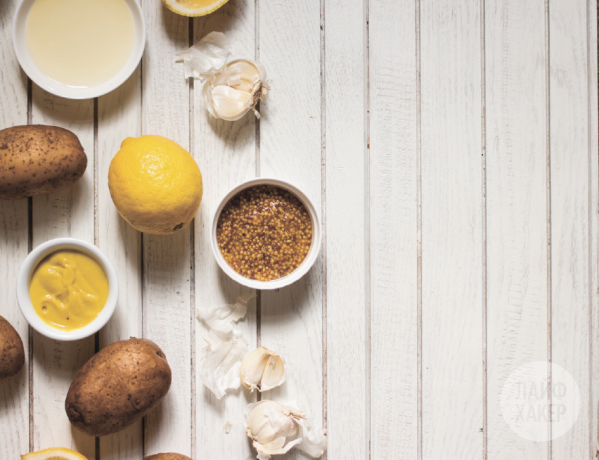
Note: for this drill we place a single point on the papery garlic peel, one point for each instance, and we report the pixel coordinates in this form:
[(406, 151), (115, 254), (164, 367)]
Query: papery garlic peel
[(223, 317), (262, 370), (219, 361)]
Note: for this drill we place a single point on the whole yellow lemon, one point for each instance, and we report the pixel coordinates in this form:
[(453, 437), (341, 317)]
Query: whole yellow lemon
[(155, 184)]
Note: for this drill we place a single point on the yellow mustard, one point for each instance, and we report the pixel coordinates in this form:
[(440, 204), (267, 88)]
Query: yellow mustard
[(68, 289)]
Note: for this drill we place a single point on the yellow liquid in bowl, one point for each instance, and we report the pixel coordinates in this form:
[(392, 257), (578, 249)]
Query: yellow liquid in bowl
[(68, 289), (80, 43)]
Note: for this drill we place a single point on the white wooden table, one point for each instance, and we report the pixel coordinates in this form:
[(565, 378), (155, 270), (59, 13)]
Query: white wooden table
[(451, 146)]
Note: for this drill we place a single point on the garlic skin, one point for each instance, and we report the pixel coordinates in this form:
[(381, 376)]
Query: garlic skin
[(206, 57), (224, 317), (276, 428), (229, 90), (220, 360), (262, 370)]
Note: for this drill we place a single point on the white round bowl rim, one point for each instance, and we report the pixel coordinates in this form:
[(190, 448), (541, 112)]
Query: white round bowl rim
[(31, 262), (313, 252), (69, 92)]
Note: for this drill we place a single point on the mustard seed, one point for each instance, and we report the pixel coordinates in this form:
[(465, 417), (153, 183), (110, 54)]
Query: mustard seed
[(264, 232)]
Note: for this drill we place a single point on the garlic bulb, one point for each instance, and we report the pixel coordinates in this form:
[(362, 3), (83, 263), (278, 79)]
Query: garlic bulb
[(220, 360), (262, 370), (229, 90), (276, 428), (235, 90)]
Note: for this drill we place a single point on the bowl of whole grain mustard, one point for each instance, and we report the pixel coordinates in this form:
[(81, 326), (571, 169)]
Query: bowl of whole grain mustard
[(265, 233)]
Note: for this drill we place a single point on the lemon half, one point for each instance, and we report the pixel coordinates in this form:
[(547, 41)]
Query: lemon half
[(194, 7), (54, 453)]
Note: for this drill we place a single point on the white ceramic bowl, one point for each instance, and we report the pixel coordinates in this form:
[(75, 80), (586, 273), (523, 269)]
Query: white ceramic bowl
[(24, 277), (299, 271), (70, 92)]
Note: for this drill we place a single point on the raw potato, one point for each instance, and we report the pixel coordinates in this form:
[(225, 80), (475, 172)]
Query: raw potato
[(12, 353), (167, 457), (117, 387), (38, 159)]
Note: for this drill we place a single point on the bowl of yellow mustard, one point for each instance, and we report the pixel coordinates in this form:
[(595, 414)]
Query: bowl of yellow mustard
[(67, 289)]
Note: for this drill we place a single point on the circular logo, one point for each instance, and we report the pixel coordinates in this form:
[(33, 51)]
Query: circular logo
[(529, 401)]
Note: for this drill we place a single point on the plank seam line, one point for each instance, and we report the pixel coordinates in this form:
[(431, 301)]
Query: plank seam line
[(192, 266), (257, 170), (323, 213), (367, 235), (484, 280), (257, 122), (548, 212), (419, 229)]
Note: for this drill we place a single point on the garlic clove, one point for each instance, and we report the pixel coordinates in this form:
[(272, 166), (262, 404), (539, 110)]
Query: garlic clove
[(229, 103), (240, 74), (262, 370), (252, 368), (274, 373)]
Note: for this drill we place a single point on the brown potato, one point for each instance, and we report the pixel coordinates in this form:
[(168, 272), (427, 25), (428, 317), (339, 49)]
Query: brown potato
[(38, 159), (12, 353), (117, 387), (169, 456)]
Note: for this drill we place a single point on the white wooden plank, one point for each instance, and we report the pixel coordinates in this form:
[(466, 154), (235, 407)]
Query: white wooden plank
[(68, 212), (226, 153), (167, 311), (594, 218), (393, 221), (119, 117), (452, 382), (290, 149), (573, 291), (14, 394), (345, 148), (516, 184)]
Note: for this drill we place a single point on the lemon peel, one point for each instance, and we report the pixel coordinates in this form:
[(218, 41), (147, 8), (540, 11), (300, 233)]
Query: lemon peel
[(192, 8)]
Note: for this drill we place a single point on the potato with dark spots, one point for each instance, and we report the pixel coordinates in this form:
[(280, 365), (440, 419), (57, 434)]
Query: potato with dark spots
[(12, 353), (37, 160), (117, 387), (168, 456)]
